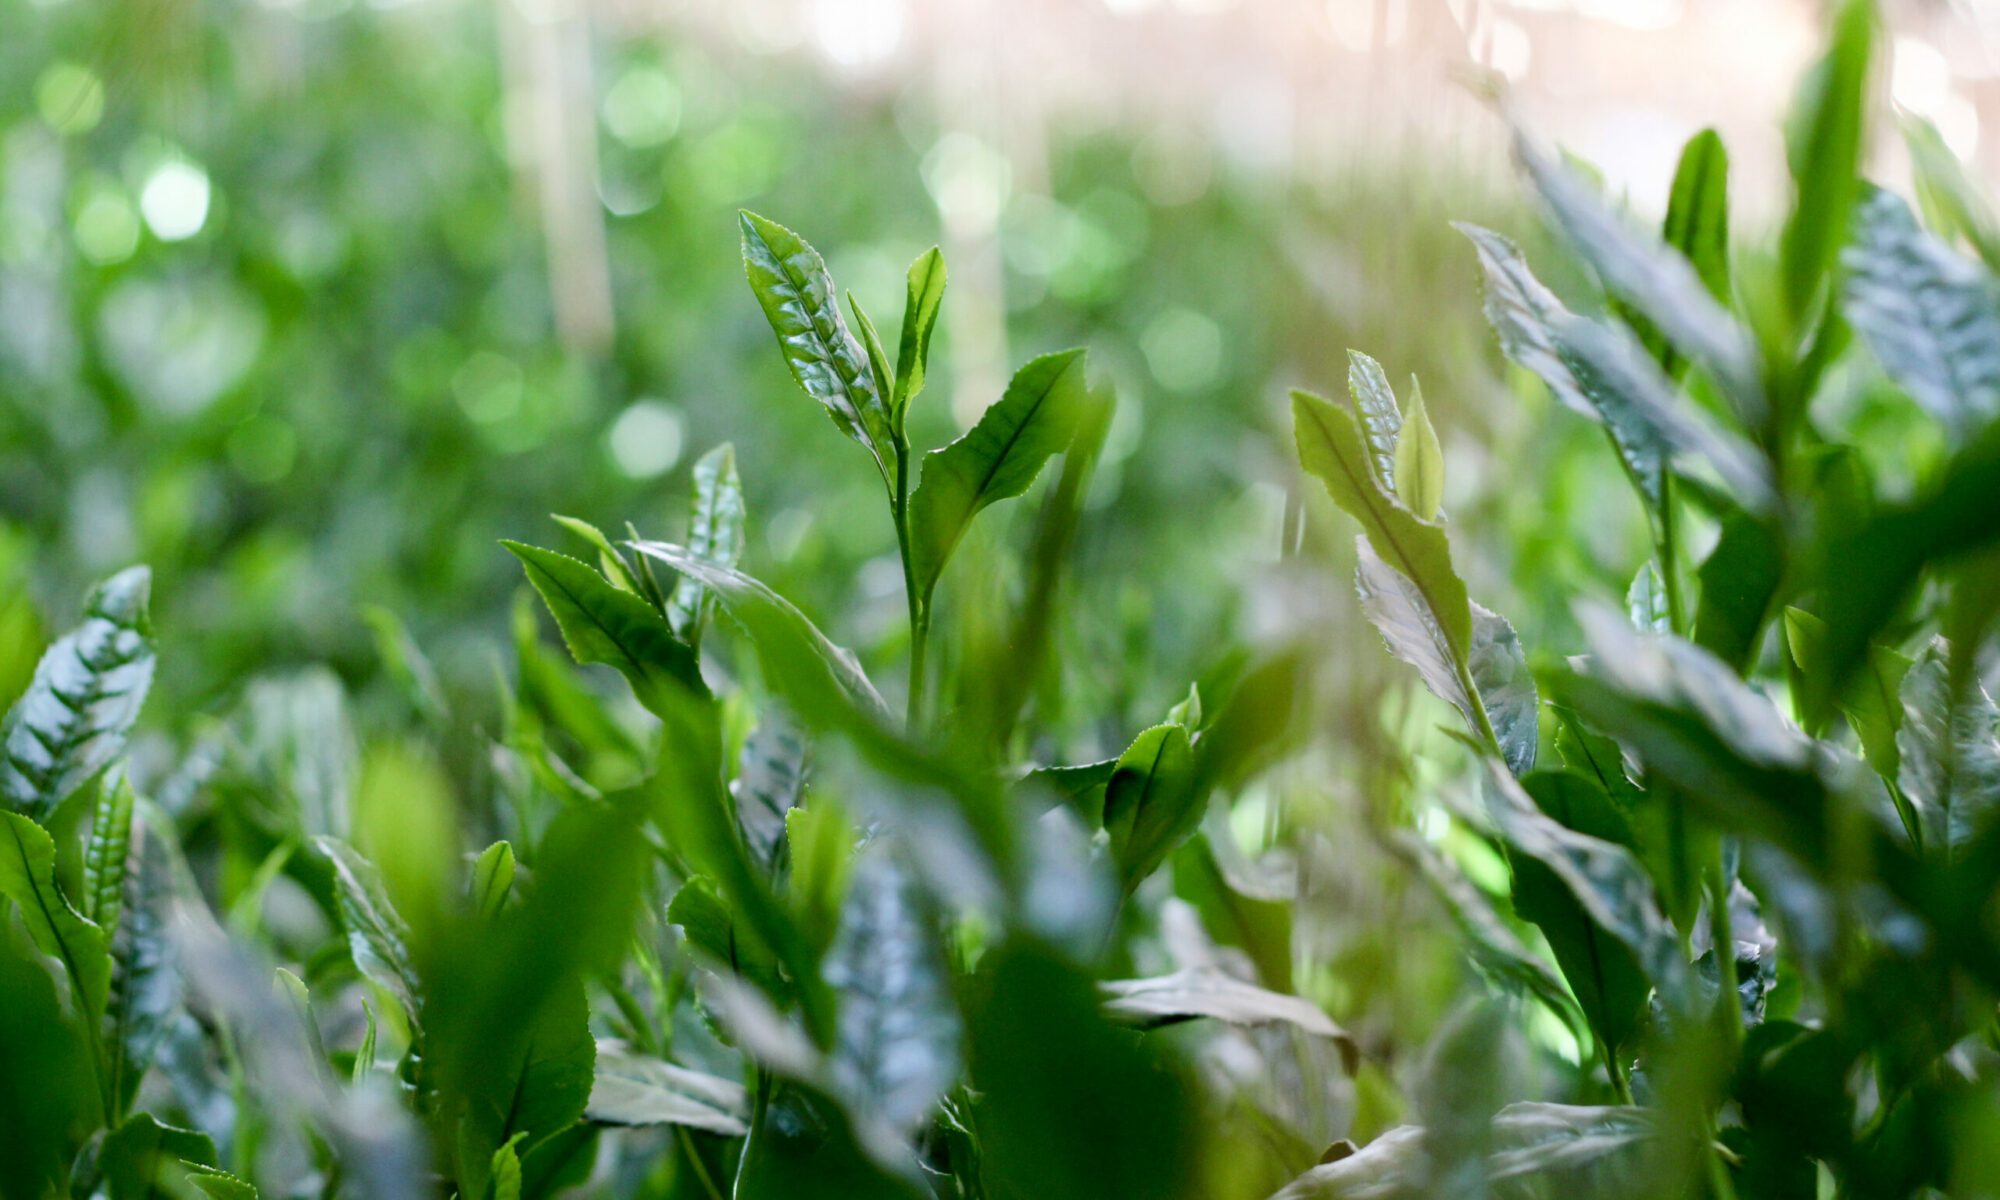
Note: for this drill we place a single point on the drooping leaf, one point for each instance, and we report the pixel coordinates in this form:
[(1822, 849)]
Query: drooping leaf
[(88, 687), (1823, 147), (924, 295), (797, 296), (1503, 691), (1739, 578), (105, 855), (1931, 317), (492, 878), (1419, 462), (1381, 419), (897, 1049), (801, 659), (1949, 747), (1331, 446), (27, 877), (770, 782), (1646, 600), (604, 624), (1602, 972), (377, 938), (716, 530), (143, 1158), (1150, 801), (1199, 992), (630, 1088), (1662, 284), (996, 459)]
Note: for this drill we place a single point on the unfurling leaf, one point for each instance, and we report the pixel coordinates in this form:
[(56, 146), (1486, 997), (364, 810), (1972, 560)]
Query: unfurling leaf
[(105, 856), (716, 527), (1419, 461), (924, 295), (492, 878), (88, 687)]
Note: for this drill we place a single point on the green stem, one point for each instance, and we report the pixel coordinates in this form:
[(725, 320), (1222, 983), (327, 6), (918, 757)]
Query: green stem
[(920, 615), (1669, 553)]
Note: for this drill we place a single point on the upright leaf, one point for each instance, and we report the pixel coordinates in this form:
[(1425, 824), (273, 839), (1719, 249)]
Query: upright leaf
[(1646, 600), (377, 938), (142, 1158), (924, 295), (531, 1086), (28, 878), (1419, 462), (145, 996), (897, 1050), (1823, 147), (797, 297), (72, 721), (1381, 419), (1697, 221), (492, 878), (769, 783), (604, 624), (716, 527), (1331, 446), (1952, 202), (1949, 747), (1931, 317), (105, 855), (1739, 580), (996, 459), (1151, 801)]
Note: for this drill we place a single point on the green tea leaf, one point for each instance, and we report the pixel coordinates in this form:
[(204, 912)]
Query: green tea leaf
[(1601, 971), (716, 531), (1739, 580), (530, 1087), (996, 459), (793, 650), (713, 930), (47, 1095), (1823, 146), (1646, 600), (769, 783), (506, 1170), (1697, 221), (897, 1049), (630, 1088), (604, 624), (1331, 446), (27, 877), (1949, 747), (377, 938), (1931, 317), (1663, 285), (221, 1185), (797, 297), (609, 561), (143, 1158), (492, 878), (72, 721), (1204, 992), (406, 663), (1381, 419), (106, 854), (1151, 803), (1951, 201), (924, 296), (1419, 470)]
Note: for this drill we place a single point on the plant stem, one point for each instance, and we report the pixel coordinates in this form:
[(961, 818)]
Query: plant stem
[(1670, 575), (920, 608)]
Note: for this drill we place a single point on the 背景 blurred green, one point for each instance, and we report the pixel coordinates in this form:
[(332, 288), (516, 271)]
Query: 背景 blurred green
[(1049, 822)]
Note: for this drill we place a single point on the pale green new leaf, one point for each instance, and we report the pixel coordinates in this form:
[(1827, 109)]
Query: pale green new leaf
[(605, 624), (105, 854), (924, 295), (1646, 601), (716, 529), (996, 459), (1419, 471), (1931, 316), (87, 689), (797, 297), (1381, 419), (492, 878)]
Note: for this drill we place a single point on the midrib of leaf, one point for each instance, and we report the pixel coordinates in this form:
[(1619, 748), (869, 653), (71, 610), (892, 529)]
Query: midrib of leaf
[(971, 506), (1458, 664), (585, 609)]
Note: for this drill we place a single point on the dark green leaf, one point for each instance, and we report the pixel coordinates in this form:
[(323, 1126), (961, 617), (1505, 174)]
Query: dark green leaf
[(27, 877), (637, 1089), (1739, 580), (1931, 317), (770, 782), (72, 721), (1949, 747), (1697, 221), (532, 1085), (726, 942), (605, 624), (897, 1050), (996, 459), (143, 1158), (1150, 802), (924, 295), (146, 988), (716, 530), (47, 1101), (1602, 972), (798, 298)]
